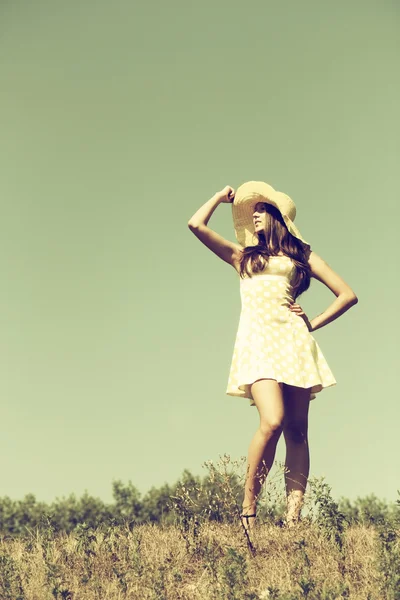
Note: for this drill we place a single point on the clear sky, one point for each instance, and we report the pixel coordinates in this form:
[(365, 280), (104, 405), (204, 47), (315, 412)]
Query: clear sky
[(118, 121)]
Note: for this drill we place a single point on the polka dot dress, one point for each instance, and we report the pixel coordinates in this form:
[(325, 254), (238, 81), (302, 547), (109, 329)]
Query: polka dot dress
[(272, 341)]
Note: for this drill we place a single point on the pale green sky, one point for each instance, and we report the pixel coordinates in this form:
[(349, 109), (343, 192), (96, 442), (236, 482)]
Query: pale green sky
[(118, 121)]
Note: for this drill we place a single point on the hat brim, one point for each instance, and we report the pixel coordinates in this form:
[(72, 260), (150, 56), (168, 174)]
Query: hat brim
[(242, 214)]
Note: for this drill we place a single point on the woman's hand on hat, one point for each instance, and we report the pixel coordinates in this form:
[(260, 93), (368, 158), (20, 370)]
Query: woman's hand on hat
[(296, 308), (227, 194)]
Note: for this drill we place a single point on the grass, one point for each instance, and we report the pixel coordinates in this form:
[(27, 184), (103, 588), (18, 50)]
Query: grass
[(206, 554)]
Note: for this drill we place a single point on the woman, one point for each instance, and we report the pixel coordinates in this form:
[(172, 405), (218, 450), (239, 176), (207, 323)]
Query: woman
[(276, 364)]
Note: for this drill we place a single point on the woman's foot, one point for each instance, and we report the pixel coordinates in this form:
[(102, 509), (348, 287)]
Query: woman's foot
[(287, 523), (248, 521), (292, 522), (248, 515)]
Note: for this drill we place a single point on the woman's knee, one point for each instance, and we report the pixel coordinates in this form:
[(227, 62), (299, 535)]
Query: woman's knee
[(268, 396), (296, 431), (271, 426)]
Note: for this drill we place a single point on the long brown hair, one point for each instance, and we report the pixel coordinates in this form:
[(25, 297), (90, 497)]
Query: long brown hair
[(279, 240)]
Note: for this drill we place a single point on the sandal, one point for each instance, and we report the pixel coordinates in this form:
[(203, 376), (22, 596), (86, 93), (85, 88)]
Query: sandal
[(248, 517)]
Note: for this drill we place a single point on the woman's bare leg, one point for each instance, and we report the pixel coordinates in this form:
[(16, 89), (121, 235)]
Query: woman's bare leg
[(268, 397), (295, 431)]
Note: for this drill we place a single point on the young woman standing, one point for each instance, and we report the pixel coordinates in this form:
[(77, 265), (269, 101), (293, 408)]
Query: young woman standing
[(277, 364)]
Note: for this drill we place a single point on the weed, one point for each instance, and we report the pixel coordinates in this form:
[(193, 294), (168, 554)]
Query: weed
[(329, 518), (388, 561), (232, 575), (187, 519), (10, 579)]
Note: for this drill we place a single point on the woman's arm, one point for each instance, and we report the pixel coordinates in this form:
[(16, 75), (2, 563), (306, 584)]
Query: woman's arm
[(202, 216), (337, 308), (224, 249), (346, 298)]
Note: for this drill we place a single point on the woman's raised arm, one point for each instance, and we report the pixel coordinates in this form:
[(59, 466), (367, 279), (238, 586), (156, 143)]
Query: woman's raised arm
[(224, 249)]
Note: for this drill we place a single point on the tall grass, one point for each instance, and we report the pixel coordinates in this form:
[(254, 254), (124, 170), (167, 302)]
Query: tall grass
[(206, 553)]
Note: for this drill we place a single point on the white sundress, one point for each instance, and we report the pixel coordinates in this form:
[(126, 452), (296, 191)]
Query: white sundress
[(271, 340)]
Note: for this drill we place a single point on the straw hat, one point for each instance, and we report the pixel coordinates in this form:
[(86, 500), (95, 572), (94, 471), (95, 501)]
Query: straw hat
[(246, 197)]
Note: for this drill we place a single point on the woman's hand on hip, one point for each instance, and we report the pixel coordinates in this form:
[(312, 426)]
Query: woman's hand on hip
[(296, 308)]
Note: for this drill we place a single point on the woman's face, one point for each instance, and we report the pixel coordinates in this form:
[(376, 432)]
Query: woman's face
[(259, 216)]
